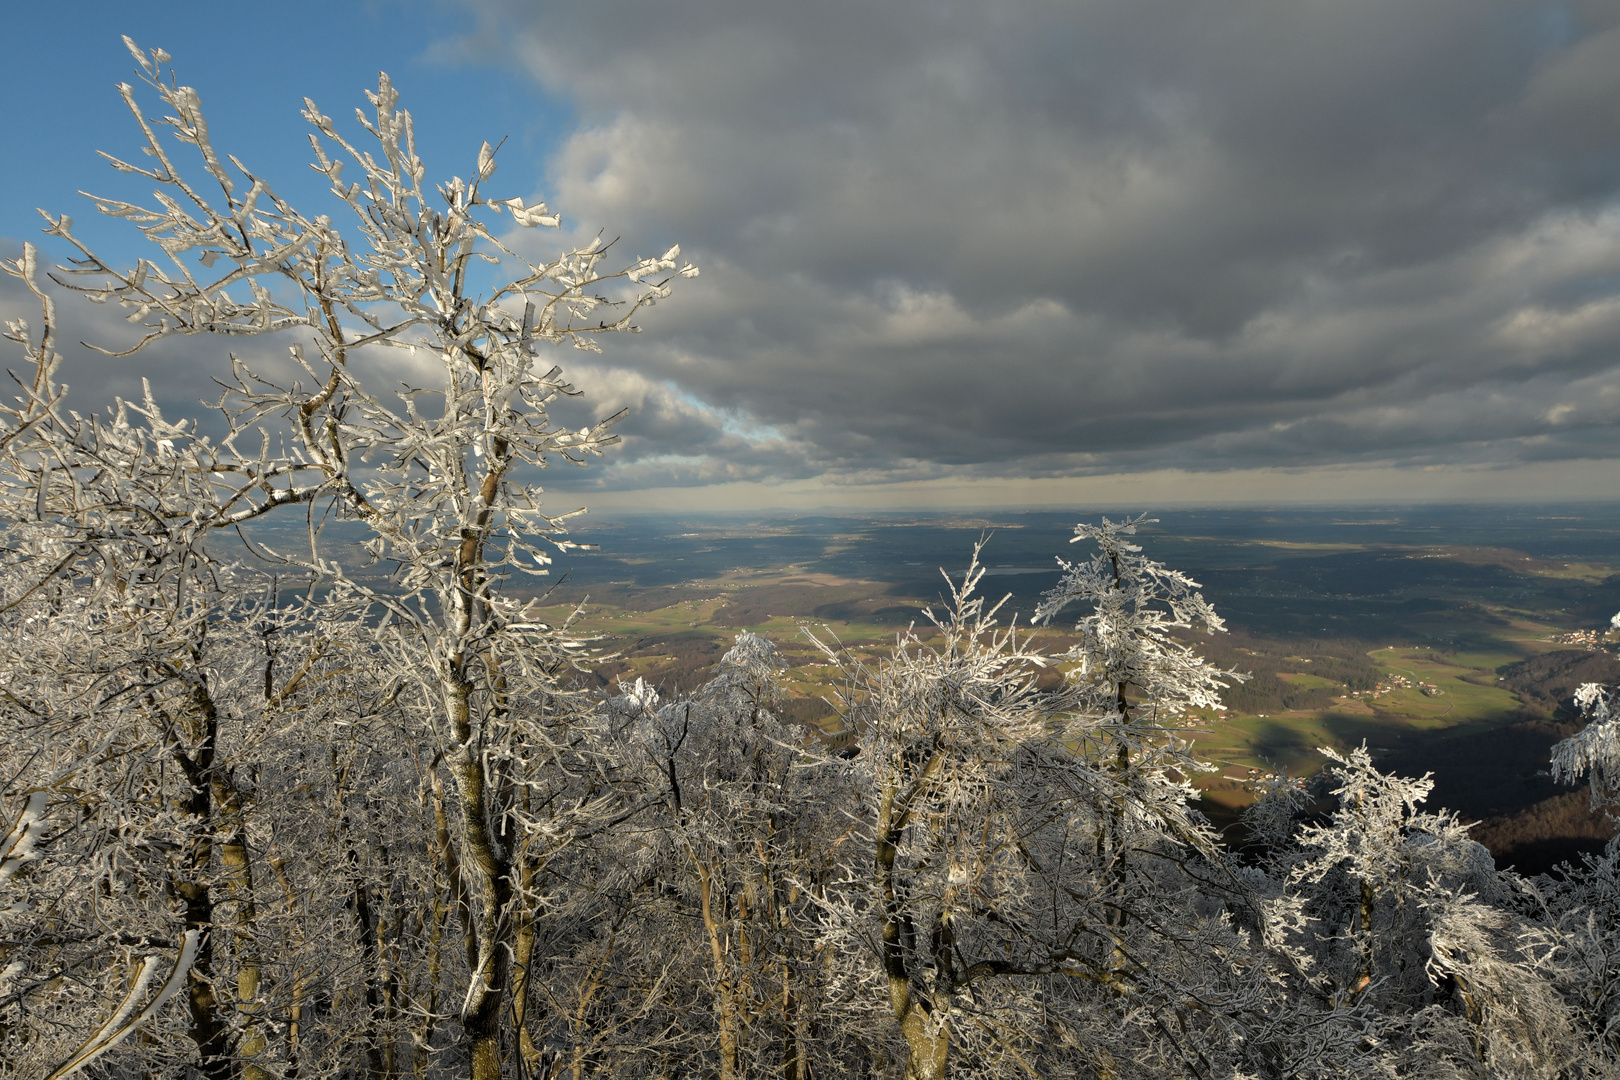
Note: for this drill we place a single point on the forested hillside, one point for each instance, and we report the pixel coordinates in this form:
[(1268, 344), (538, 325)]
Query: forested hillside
[(1548, 683), (266, 816)]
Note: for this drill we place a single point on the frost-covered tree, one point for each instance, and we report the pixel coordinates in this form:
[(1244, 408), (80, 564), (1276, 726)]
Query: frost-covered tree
[(1594, 751), (112, 615), (1027, 906), (742, 846), (1587, 899), (1130, 667), (1131, 671), (1404, 939), (940, 725), (439, 476), (194, 751)]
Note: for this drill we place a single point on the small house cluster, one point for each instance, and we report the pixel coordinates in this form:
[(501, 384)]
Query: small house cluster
[(1592, 639), (1398, 682)]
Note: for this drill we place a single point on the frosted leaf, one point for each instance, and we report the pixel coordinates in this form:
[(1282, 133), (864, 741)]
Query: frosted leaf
[(639, 695), (17, 846), (1590, 697), (534, 216), (135, 51), (9, 974)]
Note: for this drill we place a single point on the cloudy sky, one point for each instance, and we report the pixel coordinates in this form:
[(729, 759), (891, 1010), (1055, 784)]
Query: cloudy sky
[(967, 254)]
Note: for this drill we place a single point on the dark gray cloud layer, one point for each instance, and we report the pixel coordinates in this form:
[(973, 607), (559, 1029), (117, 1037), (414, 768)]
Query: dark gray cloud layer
[(1030, 239), (1053, 238)]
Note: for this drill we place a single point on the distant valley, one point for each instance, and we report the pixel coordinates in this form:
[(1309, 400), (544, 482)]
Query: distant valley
[(1448, 639)]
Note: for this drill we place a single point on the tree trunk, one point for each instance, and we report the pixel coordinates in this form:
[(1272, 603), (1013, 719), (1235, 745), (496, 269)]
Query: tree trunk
[(233, 854), (300, 980), (524, 937), (446, 882), (723, 996), (366, 931), (792, 1045), (208, 1030), (488, 864), (927, 1044)]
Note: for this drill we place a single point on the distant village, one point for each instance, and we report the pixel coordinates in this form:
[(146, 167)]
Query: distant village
[(1591, 639), (1398, 682)]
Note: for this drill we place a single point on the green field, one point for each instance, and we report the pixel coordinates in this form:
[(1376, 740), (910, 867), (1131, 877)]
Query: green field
[(1469, 697), (672, 635)]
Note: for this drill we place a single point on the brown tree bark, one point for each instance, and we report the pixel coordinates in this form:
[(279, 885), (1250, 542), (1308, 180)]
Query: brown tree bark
[(490, 869)]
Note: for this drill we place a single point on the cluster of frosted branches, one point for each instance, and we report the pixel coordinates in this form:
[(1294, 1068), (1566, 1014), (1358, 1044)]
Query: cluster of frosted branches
[(1132, 666), (112, 519), (1595, 749)]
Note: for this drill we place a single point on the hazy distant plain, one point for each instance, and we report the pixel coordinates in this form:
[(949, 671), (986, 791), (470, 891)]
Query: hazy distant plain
[(1324, 606)]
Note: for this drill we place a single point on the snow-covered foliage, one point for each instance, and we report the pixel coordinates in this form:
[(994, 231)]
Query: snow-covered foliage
[(1594, 751), (1132, 666), (1027, 905), (734, 859)]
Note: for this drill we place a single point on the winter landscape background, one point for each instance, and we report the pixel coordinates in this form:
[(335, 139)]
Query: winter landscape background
[(326, 753)]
